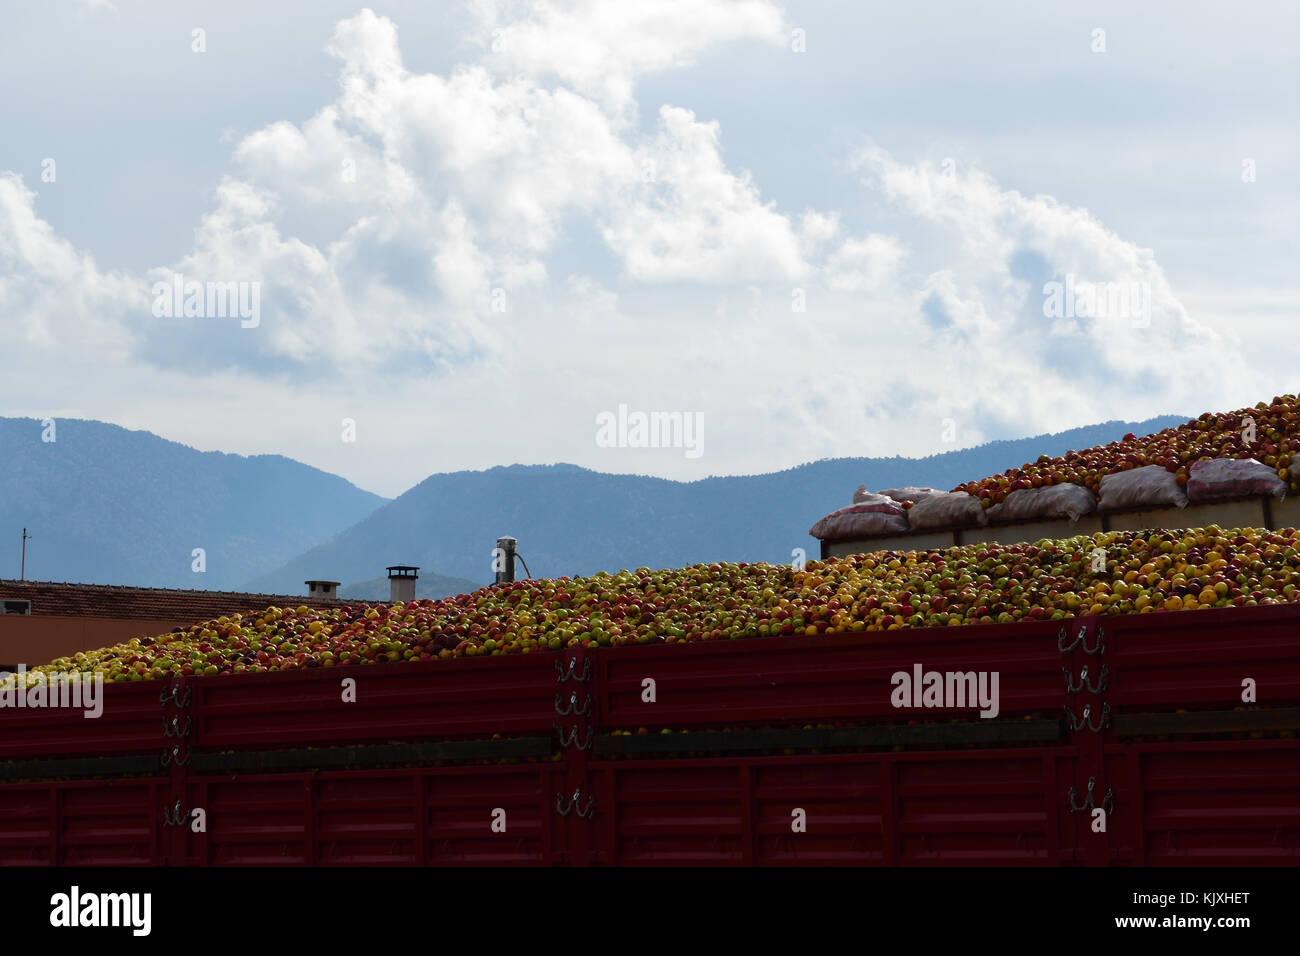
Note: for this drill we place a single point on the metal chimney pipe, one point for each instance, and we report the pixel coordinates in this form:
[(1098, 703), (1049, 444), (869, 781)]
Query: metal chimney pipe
[(505, 560)]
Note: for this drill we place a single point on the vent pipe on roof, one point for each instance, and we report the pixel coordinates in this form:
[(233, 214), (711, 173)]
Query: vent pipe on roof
[(504, 560), (325, 590), (401, 583)]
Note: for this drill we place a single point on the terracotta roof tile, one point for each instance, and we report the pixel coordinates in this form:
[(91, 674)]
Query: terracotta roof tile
[(132, 603)]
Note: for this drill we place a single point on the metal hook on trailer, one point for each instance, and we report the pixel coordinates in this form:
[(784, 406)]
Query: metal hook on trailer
[(174, 816), (1098, 646), (1077, 724), (1072, 723), (1102, 679), (174, 756), (1064, 635), (173, 693), (572, 708), (1070, 686), (561, 675), (1107, 802), (563, 808), (1103, 722), (172, 728), (1087, 804), (571, 739), (1084, 682)]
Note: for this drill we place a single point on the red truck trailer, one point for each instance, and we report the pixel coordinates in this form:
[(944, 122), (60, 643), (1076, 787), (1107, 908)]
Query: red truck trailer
[(1151, 739)]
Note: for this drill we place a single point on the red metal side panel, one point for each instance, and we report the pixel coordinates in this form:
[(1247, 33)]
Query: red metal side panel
[(110, 822), (258, 820), (1198, 659), (673, 812), (463, 697), (87, 823), (843, 806), (459, 805), (1201, 803), (984, 808), (438, 816), (27, 824), (1229, 801), (1211, 803), (962, 807), (364, 820), (833, 677), (131, 723)]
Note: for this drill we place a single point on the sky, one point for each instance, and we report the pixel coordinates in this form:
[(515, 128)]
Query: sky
[(468, 234)]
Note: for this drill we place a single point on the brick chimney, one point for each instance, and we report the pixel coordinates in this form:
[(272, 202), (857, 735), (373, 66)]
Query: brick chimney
[(401, 582), (325, 590)]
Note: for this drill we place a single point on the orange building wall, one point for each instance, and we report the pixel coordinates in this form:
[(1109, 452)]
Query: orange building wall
[(38, 639)]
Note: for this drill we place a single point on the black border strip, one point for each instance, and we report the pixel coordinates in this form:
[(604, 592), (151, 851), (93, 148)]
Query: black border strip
[(1207, 722), (81, 767), (300, 759), (904, 735), (383, 753)]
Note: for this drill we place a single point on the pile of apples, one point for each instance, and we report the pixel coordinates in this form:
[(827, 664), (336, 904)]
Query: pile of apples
[(1276, 440), (1106, 573)]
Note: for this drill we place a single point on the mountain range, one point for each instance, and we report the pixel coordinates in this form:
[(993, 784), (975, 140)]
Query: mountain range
[(105, 505), (428, 586), (110, 506), (569, 520)]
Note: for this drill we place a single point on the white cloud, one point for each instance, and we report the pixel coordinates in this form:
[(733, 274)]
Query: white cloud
[(866, 264), (816, 229), (692, 218), (53, 297), (387, 219), (1005, 247), (599, 48)]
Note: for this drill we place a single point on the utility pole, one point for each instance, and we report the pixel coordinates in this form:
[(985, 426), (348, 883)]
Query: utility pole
[(22, 573)]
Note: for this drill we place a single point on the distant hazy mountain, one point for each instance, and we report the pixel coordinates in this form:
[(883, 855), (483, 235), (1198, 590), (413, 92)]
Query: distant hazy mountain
[(431, 586), (105, 505), (573, 521)]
